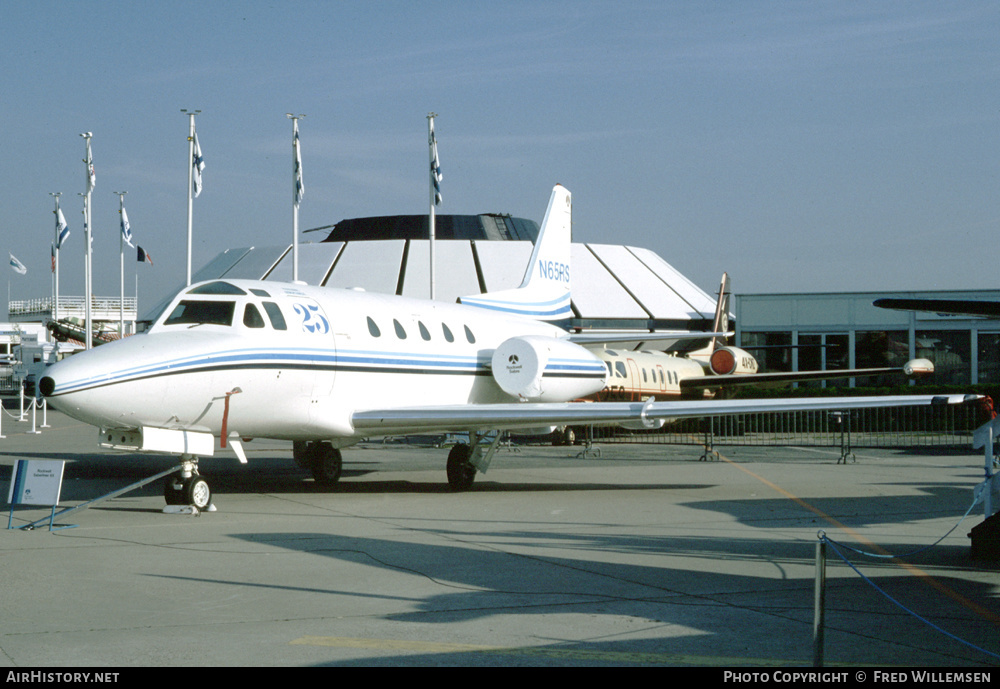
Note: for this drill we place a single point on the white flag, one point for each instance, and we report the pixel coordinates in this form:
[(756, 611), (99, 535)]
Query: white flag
[(91, 175), (126, 228), (300, 190), (18, 267), (197, 164), (62, 229), (435, 167)]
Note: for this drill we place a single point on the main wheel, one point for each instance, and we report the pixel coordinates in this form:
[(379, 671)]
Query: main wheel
[(461, 473), (197, 493), (326, 464)]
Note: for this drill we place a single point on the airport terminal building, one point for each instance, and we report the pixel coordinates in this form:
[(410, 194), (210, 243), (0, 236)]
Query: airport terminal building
[(843, 330)]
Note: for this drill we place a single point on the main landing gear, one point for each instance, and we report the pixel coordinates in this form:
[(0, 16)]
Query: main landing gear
[(187, 487), (325, 462), (464, 461), (461, 472), (321, 458)]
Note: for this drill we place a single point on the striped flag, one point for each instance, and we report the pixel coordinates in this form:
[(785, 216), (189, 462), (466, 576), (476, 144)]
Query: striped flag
[(197, 164), (18, 267), (435, 167), (142, 256), (300, 189), (62, 229)]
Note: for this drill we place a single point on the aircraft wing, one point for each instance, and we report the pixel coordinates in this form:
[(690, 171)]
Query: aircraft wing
[(783, 377), (596, 337), (965, 307), (513, 416)]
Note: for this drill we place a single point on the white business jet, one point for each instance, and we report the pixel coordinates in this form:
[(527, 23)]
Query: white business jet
[(325, 368)]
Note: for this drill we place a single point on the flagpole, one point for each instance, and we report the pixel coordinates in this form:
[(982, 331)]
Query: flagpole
[(297, 192), (190, 194), (88, 216), (121, 261), (55, 295)]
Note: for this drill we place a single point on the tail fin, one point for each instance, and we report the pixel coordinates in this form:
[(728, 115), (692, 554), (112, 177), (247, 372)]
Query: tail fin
[(544, 293), (721, 323)]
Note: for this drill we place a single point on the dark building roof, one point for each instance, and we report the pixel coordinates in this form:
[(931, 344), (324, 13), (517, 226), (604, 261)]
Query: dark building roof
[(490, 226)]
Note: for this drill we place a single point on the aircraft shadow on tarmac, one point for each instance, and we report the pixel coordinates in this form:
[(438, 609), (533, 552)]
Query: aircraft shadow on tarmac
[(587, 573), (280, 474), (854, 511)]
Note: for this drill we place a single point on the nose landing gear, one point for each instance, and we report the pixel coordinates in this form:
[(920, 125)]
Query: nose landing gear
[(187, 487)]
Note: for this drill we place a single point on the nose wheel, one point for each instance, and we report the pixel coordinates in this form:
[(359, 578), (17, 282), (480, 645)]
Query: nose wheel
[(187, 487)]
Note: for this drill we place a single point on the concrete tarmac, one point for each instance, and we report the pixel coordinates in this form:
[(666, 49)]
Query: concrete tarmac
[(642, 556)]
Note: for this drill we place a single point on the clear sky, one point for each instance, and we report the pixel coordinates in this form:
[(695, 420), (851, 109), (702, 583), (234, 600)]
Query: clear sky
[(800, 146)]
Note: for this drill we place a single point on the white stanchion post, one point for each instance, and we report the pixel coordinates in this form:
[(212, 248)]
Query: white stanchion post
[(33, 414), (45, 414)]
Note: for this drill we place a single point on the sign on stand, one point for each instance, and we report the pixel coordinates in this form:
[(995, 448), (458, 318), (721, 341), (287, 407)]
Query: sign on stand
[(35, 482)]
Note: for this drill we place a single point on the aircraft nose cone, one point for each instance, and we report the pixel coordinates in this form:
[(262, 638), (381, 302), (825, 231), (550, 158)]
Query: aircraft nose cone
[(46, 386)]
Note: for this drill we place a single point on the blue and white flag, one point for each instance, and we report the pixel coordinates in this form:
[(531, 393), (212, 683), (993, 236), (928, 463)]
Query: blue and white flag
[(62, 229), (435, 167), (300, 189), (197, 165), (126, 228), (18, 267)]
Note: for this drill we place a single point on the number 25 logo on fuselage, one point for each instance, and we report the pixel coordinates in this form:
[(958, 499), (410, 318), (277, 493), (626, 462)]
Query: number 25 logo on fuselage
[(313, 321)]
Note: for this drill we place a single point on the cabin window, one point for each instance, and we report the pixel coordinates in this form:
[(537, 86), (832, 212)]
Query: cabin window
[(373, 329), (198, 312), (469, 336), (661, 377), (644, 380), (400, 333), (423, 331), (620, 369), (447, 333), (252, 317), (274, 313)]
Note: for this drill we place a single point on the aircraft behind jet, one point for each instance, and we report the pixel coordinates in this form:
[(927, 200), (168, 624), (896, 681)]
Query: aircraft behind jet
[(325, 368)]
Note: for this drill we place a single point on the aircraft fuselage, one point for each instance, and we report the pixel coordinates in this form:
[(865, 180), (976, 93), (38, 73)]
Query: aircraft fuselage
[(297, 361)]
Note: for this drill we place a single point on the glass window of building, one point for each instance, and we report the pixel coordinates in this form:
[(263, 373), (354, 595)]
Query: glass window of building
[(950, 350), (989, 358)]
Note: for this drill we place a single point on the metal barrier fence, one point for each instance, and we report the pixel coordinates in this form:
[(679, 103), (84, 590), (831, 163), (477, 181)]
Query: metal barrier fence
[(939, 426)]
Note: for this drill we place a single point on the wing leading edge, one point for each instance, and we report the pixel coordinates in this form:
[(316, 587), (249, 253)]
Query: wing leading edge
[(478, 417)]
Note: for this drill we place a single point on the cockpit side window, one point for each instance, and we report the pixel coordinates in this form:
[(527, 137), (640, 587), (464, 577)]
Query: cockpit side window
[(274, 313), (620, 369), (194, 312), (252, 317)]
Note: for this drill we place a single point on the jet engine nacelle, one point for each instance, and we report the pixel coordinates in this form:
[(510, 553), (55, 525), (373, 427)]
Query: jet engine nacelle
[(732, 361), (544, 369)]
